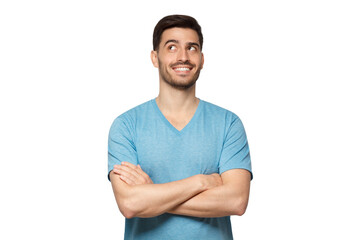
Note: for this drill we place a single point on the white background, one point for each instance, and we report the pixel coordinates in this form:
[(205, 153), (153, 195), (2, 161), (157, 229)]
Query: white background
[(289, 69)]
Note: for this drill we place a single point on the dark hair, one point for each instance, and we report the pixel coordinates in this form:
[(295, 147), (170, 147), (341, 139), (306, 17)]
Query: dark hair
[(181, 21)]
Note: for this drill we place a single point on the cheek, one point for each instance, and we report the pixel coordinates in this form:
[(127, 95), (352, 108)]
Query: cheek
[(197, 59), (162, 67)]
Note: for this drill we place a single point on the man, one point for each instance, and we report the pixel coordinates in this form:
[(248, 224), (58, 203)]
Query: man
[(179, 166)]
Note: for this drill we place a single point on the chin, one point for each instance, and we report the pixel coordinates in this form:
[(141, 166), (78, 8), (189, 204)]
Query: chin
[(182, 84)]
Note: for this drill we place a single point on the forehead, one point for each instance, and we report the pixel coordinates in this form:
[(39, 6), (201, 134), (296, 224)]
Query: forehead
[(183, 35)]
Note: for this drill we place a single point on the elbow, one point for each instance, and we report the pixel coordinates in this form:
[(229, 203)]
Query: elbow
[(126, 209), (240, 211), (128, 214), (241, 206), (129, 210)]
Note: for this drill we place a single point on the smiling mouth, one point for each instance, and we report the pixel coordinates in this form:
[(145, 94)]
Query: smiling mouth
[(182, 69)]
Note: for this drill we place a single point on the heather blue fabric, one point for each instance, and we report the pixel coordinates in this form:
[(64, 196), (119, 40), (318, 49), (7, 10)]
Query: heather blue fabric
[(214, 141)]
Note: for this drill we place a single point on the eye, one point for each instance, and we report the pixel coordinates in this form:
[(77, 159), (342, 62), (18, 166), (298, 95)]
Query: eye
[(172, 48), (192, 48)]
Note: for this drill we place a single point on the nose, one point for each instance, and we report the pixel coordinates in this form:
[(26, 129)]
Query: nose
[(182, 55)]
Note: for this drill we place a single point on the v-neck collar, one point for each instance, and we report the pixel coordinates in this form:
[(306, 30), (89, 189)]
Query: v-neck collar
[(174, 129)]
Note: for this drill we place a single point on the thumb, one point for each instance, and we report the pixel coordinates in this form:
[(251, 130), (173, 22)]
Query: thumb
[(139, 166)]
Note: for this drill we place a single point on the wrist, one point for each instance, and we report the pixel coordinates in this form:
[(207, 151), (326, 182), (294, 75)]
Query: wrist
[(203, 181)]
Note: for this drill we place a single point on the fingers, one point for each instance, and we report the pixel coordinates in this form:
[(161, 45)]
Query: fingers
[(128, 165), (125, 175), (138, 170), (132, 174), (148, 179), (133, 167), (127, 179)]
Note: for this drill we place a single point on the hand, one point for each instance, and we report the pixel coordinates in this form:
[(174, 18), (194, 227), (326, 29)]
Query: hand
[(131, 174)]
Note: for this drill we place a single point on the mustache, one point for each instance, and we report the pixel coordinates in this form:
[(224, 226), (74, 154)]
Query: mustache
[(187, 62)]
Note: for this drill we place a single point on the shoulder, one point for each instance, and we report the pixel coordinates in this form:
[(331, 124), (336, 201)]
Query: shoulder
[(129, 118), (220, 113), (135, 112)]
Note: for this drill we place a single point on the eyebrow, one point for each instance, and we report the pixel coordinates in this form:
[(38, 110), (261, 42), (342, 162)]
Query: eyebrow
[(176, 41), (171, 41), (193, 44)]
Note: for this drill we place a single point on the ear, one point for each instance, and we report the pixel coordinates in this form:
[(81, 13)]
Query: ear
[(202, 60), (154, 59)]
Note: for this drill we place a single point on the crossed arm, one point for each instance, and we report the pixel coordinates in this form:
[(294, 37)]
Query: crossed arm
[(199, 196)]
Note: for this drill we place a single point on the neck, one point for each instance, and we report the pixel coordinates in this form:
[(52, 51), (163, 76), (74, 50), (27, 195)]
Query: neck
[(175, 101)]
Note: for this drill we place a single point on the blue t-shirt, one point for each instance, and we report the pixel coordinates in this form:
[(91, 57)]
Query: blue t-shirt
[(214, 141)]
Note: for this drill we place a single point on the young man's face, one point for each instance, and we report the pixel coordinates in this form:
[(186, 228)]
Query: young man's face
[(179, 57)]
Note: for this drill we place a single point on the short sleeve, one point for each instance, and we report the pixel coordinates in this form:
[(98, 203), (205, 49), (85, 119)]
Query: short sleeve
[(121, 145), (235, 152)]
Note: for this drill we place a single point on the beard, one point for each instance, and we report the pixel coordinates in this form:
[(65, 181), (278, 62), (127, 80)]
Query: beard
[(181, 85)]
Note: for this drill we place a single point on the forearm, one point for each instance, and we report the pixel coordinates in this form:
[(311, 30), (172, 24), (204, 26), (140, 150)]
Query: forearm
[(216, 202), (149, 200), (231, 198)]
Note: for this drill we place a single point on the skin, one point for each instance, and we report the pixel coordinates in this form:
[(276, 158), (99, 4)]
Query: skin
[(160, 198), (179, 48), (200, 195), (227, 195), (178, 104)]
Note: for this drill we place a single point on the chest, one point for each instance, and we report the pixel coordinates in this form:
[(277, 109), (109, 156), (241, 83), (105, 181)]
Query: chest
[(166, 156), (178, 122)]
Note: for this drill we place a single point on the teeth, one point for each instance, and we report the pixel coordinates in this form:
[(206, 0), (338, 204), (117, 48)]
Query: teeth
[(182, 69)]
